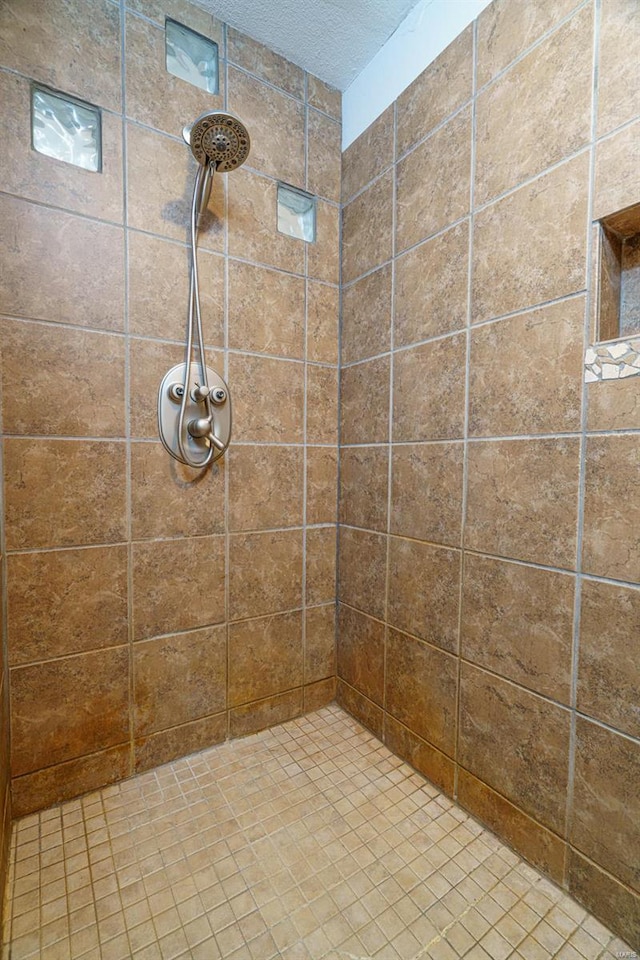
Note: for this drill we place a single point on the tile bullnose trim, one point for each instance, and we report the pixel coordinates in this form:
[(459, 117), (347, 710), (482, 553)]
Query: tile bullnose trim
[(612, 361)]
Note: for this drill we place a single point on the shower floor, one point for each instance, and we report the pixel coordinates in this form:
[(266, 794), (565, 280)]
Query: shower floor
[(307, 841)]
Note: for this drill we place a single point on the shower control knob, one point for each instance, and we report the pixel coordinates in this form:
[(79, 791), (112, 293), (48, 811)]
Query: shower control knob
[(218, 395), (176, 391), (199, 428), (200, 393)]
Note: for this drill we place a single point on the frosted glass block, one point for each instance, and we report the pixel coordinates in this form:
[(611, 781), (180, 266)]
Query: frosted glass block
[(296, 214), (191, 57), (65, 129)]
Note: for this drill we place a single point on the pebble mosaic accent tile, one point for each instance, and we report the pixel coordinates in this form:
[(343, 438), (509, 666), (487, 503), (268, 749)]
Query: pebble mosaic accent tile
[(307, 841), (613, 361)]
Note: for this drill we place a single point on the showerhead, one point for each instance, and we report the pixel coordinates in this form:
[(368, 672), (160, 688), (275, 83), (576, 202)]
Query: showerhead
[(218, 138)]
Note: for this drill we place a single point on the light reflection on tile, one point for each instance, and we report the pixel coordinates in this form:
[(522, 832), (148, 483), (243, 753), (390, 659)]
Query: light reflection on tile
[(66, 129)]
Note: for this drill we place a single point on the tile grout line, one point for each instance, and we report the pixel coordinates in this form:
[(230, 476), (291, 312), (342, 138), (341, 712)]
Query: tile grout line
[(228, 456)]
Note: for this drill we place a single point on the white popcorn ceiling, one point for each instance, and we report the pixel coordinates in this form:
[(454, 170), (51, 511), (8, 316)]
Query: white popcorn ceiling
[(333, 39)]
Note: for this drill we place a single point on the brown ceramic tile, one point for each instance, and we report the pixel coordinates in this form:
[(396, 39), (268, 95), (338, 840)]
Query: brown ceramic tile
[(522, 500), (366, 229), (169, 499), (506, 30), (608, 670), (179, 679), (433, 182), (34, 176), (368, 155), (364, 402), (264, 63), (619, 51), (66, 708), (46, 47), (265, 573), (611, 546), (361, 652), (518, 261), (54, 784), (265, 713), (617, 183), (614, 404), (428, 390), (149, 361), (424, 591), (364, 477), (265, 657), (69, 396), (535, 843), (154, 96), (322, 404), (64, 492), (66, 601), (529, 734), (265, 487), (439, 90), (48, 255), (366, 316), (420, 689), (159, 289), (368, 713), (437, 767), (361, 584), (321, 565), (277, 327), (162, 747), (431, 287), (324, 97), (606, 805), (268, 399), (324, 152), (320, 643), (251, 222), (323, 255), (177, 585), (319, 694), (323, 319), (426, 492), (517, 621), (187, 13), (160, 178), (507, 392), (550, 92), (615, 903), (276, 126), (322, 484)]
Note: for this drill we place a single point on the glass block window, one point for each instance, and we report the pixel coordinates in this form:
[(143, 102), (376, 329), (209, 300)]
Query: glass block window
[(66, 129), (191, 57), (296, 213)]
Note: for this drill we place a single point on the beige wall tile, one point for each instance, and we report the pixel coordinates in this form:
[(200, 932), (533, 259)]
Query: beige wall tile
[(323, 255), (268, 399), (368, 713), (71, 395), (517, 743), (178, 679), (361, 652), (420, 689), (364, 478), (517, 260), (251, 224), (439, 90), (366, 229), (366, 316), (615, 903), (523, 499), (66, 708), (614, 404), (617, 183), (508, 392), (66, 601), (360, 584), (436, 766), (265, 487), (265, 713), (324, 156), (606, 807), (322, 404), (550, 93), (167, 745), (185, 12), (177, 585), (320, 643), (64, 492), (433, 182), (364, 402), (265, 573), (322, 484), (611, 546), (608, 669), (265, 657), (428, 390), (517, 621), (321, 565), (324, 97), (368, 155), (47, 258), (431, 284), (619, 52), (424, 591), (323, 320), (426, 491), (264, 63), (266, 311)]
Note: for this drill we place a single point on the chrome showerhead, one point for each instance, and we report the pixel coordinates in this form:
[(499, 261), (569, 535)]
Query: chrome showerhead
[(220, 139)]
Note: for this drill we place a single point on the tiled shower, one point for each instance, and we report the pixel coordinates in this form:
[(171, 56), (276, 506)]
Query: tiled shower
[(412, 380)]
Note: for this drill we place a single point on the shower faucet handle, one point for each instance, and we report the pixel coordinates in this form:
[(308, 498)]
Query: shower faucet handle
[(203, 429), (199, 393)]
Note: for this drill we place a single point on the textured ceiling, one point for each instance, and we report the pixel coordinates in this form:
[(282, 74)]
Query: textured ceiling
[(333, 39)]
